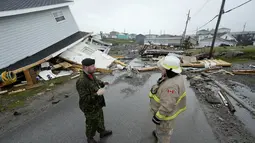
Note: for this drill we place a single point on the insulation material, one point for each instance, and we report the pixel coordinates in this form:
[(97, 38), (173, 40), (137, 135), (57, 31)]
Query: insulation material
[(82, 51), (48, 75)]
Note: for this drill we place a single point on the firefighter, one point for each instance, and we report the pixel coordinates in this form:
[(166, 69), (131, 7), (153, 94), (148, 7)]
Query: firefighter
[(167, 98)]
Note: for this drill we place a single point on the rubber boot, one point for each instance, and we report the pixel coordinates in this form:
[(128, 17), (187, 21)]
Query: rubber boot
[(154, 134), (105, 133)]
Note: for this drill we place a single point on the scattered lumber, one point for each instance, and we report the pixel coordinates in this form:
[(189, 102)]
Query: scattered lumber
[(245, 105), (230, 105), (244, 72), (207, 63), (16, 91), (147, 69), (119, 62)]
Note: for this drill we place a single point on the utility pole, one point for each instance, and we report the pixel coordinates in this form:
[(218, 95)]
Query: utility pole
[(244, 26), (184, 32), (217, 26)]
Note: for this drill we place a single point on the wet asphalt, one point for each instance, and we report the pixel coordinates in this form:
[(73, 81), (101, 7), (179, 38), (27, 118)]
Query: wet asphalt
[(126, 114)]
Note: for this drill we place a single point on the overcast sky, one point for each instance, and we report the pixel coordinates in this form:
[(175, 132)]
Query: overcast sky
[(168, 16)]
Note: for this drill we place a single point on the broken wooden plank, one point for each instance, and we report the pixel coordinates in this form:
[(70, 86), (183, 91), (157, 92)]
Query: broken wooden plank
[(104, 70), (119, 62), (244, 72), (97, 69), (73, 77), (65, 65), (230, 105), (118, 57), (32, 65), (16, 91), (3, 92), (223, 98), (19, 85), (147, 69)]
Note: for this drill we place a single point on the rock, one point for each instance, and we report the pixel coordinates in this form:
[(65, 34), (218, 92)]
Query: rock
[(56, 102), (16, 113), (52, 84), (40, 93), (212, 100)]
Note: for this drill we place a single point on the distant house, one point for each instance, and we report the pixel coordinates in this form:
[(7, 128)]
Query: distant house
[(34, 29), (122, 36), (165, 36), (132, 36), (113, 34), (139, 39), (253, 43), (172, 41), (151, 36), (218, 42), (224, 37)]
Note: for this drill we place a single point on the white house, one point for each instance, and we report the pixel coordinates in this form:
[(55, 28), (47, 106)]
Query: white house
[(34, 29), (175, 41), (218, 42), (227, 36)]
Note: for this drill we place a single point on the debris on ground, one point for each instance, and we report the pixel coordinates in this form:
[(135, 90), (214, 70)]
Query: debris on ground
[(55, 102), (16, 113), (228, 127), (251, 72)]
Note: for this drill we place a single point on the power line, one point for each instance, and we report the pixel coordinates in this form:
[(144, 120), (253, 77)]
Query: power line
[(237, 6), (207, 1), (224, 13)]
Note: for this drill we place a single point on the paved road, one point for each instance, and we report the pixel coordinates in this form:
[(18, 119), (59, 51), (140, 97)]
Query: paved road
[(127, 114)]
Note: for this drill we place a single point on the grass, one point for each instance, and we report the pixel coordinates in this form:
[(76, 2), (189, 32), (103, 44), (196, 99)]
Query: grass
[(13, 101), (119, 41), (249, 53)]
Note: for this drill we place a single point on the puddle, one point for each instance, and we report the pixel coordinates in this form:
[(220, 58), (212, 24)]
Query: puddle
[(246, 94), (244, 116)]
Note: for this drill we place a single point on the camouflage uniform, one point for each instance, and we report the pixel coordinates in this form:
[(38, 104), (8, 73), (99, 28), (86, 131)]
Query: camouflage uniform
[(90, 103)]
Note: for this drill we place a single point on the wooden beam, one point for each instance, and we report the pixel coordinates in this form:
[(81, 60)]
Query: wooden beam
[(29, 77)]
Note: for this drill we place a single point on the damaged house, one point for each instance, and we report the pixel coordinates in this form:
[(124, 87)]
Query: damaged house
[(32, 30), (36, 31), (223, 38)]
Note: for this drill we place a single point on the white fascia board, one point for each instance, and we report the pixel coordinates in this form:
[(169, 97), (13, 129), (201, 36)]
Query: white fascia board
[(34, 9)]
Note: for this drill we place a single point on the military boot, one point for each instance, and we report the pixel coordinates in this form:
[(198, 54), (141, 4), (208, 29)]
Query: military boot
[(91, 140), (105, 133)]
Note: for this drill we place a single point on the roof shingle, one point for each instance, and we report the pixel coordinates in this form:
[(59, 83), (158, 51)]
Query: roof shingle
[(7, 5)]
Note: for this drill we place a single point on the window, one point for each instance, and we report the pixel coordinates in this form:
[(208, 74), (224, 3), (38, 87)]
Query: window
[(59, 16)]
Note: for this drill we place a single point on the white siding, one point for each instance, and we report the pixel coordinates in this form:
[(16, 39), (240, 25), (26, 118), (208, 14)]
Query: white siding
[(206, 43), (27, 34), (227, 37)]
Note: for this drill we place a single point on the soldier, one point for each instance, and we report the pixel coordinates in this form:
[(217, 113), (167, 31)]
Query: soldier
[(167, 98), (91, 100)]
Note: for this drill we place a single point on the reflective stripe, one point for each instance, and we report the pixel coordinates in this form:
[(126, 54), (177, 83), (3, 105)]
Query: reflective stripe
[(180, 98), (162, 117), (170, 67), (154, 96)]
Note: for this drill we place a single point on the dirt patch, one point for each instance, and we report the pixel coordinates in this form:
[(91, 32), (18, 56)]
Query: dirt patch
[(225, 125)]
